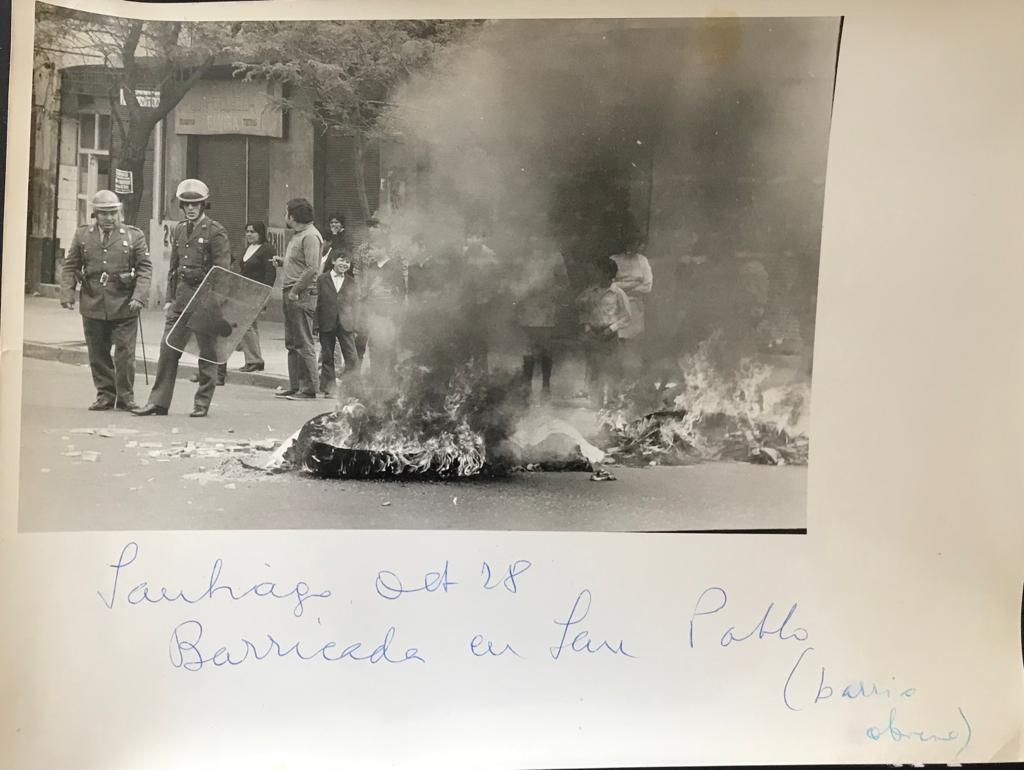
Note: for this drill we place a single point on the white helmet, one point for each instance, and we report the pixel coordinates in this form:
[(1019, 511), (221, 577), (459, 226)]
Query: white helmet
[(191, 191), (105, 200)]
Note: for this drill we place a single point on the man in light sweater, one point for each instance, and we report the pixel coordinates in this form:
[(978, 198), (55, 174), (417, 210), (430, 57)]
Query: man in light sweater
[(300, 268)]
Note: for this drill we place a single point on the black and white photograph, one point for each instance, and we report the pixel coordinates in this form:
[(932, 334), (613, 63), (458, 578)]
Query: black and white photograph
[(450, 274)]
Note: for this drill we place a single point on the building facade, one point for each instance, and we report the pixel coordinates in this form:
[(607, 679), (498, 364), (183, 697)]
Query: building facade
[(228, 132)]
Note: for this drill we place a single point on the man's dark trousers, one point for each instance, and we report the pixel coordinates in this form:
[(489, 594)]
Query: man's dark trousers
[(346, 341), (299, 316), (114, 378)]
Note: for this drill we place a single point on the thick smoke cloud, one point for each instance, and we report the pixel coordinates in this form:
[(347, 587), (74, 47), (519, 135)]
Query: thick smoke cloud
[(704, 140)]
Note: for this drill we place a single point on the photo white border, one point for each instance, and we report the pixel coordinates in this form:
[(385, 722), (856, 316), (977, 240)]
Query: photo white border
[(912, 561)]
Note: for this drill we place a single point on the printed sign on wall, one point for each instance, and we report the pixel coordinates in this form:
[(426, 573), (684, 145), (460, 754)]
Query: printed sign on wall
[(123, 182), (229, 107)]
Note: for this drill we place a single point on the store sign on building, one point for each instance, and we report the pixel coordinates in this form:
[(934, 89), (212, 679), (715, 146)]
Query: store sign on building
[(144, 97), (229, 107)]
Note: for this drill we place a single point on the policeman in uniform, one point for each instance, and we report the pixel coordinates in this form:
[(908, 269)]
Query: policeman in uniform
[(197, 245), (110, 261)]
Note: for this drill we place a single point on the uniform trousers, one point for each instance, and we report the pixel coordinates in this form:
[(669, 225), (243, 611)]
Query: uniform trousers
[(114, 378), (167, 369)]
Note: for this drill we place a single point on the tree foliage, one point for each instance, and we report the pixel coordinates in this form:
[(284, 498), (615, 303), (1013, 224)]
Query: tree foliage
[(164, 56), (339, 73), (342, 73)]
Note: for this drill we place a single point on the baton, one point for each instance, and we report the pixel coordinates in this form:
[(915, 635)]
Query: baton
[(142, 339)]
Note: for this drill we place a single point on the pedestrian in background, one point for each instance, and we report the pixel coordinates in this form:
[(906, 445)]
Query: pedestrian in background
[(538, 293), (481, 294), (337, 311), (110, 261), (198, 244), (376, 239), (636, 279), (604, 312), (301, 265), (257, 265), (382, 294), (335, 242)]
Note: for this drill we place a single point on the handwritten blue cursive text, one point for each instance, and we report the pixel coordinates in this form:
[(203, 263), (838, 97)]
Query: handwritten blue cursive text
[(185, 651), (890, 730), (142, 593), (581, 642)]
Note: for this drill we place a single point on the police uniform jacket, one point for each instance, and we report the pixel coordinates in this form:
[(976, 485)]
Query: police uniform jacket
[(104, 271), (193, 256)]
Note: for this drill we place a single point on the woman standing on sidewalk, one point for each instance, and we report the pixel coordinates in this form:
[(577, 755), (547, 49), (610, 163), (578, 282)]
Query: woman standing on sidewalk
[(257, 265)]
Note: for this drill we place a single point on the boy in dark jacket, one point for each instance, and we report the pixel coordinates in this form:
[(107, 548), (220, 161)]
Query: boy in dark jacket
[(337, 311)]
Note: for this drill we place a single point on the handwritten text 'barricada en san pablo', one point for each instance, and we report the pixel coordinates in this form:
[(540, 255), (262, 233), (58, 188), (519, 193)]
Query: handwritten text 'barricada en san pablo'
[(712, 627)]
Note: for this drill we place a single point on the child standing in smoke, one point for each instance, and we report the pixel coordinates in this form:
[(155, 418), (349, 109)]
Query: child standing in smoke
[(604, 310)]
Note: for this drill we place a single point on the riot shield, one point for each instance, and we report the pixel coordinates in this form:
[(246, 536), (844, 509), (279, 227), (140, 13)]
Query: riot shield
[(219, 313)]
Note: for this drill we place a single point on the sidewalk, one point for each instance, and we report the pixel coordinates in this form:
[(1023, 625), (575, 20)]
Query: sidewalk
[(55, 334)]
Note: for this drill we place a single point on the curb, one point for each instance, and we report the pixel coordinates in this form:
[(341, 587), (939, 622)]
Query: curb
[(80, 356)]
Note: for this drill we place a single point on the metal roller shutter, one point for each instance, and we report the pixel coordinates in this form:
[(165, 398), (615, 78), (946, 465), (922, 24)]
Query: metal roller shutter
[(220, 162), (259, 179)]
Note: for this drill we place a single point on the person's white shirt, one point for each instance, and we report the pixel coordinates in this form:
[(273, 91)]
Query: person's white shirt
[(338, 279), (252, 249)]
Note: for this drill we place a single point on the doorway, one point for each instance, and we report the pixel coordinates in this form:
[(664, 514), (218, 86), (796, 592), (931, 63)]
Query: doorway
[(236, 168)]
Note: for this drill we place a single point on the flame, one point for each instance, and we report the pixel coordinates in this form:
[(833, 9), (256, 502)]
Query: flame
[(420, 428), (711, 415)]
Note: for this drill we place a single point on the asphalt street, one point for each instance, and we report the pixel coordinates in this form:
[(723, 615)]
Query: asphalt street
[(180, 473)]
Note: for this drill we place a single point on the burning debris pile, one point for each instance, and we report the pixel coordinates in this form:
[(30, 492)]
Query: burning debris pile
[(433, 425), (447, 423), (709, 416), (477, 426)]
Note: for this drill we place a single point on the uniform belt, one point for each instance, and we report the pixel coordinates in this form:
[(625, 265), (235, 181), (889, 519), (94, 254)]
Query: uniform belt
[(192, 272), (102, 278)]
